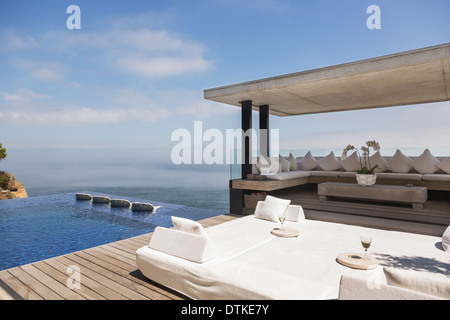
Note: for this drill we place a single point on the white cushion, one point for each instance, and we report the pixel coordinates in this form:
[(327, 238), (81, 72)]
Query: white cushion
[(270, 166), (319, 173), (293, 162), (436, 177), (289, 175), (446, 240), (437, 285), (399, 163), (329, 163), (351, 163), (285, 164), (444, 165), (187, 225), (272, 208), (308, 162), (376, 158), (426, 163), (188, 246), (293, 212), (400, 176)]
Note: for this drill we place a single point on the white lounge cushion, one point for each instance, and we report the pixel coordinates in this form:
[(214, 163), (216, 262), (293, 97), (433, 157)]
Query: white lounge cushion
[(293, 162), (294, 213), (272, 208), (270, 166), (351, 163), (436, 177), (345, 174), (187, 225), (401, 176), (444, 165), (436, 285), (426, 163), (376, 158), (399, 163), (185, 245), (329, 163), (446, 240), (288, 175), (308, 162), (325, 173), (284, 163), (353, 287)]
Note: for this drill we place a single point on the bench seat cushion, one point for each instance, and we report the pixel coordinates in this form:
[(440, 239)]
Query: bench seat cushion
[(400, 176), (436, 177), (288, 175)]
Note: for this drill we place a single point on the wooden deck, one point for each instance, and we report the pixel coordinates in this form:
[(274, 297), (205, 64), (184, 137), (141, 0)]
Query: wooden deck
[(107, 272)]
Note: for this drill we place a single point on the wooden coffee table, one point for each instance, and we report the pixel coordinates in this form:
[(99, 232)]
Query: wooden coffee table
[(417, 196)]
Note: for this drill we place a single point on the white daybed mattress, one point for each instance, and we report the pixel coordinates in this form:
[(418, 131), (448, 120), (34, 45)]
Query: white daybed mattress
[(251, 263)]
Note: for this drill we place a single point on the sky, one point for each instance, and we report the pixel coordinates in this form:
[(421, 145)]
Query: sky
[(98, 105)]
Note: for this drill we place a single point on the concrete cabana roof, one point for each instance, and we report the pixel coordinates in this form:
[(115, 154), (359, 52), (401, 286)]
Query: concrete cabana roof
[(407, 78)]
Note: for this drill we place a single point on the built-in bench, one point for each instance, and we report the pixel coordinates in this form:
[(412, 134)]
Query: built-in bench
[(286, 178)]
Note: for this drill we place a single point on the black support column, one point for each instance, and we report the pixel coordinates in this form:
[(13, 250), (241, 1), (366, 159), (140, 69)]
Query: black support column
[(264, 131), (246, 116)]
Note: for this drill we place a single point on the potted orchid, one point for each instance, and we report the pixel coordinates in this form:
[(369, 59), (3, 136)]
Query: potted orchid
[(366, 175)]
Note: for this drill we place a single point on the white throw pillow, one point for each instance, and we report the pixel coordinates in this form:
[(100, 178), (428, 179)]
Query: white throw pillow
[(285, 164), (272, 208), (444, 165), (293, 162), (376, 158), (308, 162), (446, 240), (437, 285), (351, 163), (399, 163), (329, 163), (187, 225), (426, 163)]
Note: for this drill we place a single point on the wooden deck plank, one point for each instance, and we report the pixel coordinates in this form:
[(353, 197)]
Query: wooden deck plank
[(50, 281), (34, 285), (107, 272), (90, 282), (125, 278), (84, 289), (13, 288), (110, 279)]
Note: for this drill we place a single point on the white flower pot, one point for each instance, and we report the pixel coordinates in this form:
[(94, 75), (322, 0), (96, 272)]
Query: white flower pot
[(366, 179)]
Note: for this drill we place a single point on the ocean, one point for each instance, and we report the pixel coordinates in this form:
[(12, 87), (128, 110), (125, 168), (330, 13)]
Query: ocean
[(213, 198)]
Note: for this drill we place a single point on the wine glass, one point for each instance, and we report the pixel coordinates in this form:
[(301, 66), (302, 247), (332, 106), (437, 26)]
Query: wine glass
[(366, 241), (282, 217)]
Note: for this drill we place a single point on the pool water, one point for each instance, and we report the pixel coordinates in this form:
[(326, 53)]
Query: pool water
[(39, 228)]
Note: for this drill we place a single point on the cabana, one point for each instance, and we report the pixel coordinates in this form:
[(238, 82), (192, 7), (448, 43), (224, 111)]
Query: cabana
[(406, 78)]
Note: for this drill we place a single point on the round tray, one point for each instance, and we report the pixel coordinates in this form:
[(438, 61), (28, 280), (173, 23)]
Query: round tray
[(357, 261), (285, 232)]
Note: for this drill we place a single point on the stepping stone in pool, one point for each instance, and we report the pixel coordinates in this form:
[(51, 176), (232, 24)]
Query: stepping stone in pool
[(100, 199), (83, 196), (120, 203), (141, 206)]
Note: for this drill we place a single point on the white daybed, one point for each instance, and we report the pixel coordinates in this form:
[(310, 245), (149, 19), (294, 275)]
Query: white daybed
[(241, 259)]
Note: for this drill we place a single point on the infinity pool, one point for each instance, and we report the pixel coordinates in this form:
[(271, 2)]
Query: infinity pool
[(38, 228)]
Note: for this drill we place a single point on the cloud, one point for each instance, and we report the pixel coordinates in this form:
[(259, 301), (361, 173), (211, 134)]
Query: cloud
[(141, 52), (30, 108), (10, 40), (42, 70), (161, 66)]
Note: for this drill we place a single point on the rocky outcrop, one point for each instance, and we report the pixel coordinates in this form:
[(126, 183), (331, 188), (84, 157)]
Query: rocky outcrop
[(10, 188)]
